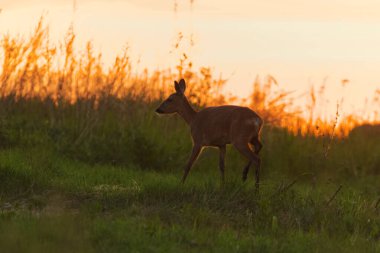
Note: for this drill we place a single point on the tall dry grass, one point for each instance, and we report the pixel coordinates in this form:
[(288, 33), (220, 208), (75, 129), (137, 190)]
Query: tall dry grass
[(34, 68)]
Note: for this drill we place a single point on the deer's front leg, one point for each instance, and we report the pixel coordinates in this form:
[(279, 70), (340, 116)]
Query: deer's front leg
[(222, 155), (193, 157)]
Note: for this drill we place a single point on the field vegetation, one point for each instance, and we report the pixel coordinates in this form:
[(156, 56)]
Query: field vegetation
[(87, 166)]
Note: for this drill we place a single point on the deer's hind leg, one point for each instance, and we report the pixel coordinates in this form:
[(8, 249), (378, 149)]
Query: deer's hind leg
[(257, 144), (244, 149)]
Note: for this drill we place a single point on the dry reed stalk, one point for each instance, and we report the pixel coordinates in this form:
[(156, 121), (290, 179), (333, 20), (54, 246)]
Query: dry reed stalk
[(60, 75), (334, 195)]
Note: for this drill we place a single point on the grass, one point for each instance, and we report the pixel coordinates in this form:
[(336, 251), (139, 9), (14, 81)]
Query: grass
[(114, 209), (118, 190), (86, 166)]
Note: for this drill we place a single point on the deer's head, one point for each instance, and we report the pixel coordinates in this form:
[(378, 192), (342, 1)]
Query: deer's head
[(175, 101)]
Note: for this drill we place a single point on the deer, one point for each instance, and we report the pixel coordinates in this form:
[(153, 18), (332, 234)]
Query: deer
[(216, 127)]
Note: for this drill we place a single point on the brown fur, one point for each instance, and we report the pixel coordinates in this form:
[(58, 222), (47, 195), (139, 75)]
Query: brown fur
[(217, 127), (366, 130)]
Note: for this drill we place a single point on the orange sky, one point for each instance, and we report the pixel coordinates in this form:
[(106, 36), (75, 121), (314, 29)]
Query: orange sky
[(299, 42)]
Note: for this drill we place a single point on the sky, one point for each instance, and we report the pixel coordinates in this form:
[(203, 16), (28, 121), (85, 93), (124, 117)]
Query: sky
[(299, 42)]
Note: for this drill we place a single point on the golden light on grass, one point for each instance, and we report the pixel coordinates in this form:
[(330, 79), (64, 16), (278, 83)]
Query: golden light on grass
[(34, 68)]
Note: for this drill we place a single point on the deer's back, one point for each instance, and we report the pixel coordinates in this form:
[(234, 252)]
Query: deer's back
[(366, 130), (216, 126)]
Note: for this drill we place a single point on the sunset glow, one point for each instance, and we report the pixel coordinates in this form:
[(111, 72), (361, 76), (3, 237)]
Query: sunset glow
[(301, 44), (183, 126)]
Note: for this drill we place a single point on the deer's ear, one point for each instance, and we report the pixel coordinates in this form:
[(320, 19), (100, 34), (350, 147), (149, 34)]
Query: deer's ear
[(176, 86), (181, 86)]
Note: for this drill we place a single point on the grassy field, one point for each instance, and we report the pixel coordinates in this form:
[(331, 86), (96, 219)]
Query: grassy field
[(111, 183), (87, 166)]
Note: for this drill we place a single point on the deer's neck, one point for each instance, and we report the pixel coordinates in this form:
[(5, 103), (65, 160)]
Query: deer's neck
[(187, 112)]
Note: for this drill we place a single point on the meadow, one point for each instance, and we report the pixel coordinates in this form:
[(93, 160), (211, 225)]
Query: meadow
[(87, 166)]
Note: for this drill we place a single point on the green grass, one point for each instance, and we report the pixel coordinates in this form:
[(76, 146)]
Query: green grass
[(118, 189)]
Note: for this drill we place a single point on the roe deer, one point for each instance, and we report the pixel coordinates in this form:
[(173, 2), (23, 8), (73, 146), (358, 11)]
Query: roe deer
[(217, 127)]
